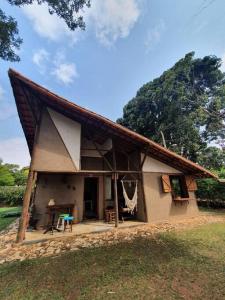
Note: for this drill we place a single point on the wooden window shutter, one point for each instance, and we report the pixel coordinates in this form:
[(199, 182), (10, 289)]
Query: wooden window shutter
[(166, 184), (191, 183)]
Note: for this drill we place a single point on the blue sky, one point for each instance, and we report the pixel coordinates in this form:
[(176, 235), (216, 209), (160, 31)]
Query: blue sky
[(126, 44)]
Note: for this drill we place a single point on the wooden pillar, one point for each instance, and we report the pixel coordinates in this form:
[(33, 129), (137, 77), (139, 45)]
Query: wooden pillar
[(25, 210), (143, 197), (142, 186), (115, 175)]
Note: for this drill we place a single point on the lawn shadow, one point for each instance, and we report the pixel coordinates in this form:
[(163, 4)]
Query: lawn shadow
[(92, 271)]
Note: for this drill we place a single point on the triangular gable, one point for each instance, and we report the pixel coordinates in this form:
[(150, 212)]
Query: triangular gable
[(50, 153), (153, 165), (70, 132)]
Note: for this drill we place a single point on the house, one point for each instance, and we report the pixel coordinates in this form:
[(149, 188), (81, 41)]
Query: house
[(86, 160)]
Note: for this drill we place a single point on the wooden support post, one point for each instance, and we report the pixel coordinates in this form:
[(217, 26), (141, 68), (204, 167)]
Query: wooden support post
[(115, 175), (144, 158), (141, 177), (25, 209), (116, 200), (143, 197), (32, 176)]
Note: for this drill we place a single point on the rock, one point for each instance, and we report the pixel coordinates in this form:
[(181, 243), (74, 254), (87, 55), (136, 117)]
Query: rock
[(57, 251), (67, 246)]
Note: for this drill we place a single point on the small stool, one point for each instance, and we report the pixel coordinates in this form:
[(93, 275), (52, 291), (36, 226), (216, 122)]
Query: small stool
[(68, 221), (61, 222), (110, 216)]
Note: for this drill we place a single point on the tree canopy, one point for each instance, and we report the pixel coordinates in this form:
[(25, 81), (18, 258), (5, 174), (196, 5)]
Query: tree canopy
[(185, 105), (9, 33), (11, 175)]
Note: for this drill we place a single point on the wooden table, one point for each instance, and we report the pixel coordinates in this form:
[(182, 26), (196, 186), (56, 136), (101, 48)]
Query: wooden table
[(52, 210)]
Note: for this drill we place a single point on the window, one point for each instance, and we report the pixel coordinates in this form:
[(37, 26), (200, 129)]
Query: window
[(178, 187)]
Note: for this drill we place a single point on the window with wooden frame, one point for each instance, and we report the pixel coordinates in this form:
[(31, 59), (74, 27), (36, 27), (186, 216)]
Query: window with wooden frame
[(179, 186)]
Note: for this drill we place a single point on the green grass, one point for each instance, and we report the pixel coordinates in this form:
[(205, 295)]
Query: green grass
[(4, 222), (175, 265)]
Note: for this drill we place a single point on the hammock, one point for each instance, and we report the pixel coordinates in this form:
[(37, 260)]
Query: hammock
[(130, 203)]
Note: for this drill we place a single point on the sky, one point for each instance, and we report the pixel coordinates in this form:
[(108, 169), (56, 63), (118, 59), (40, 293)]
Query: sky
[(126, 44)]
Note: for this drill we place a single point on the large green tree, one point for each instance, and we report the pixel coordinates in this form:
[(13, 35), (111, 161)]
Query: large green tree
[(11, 174), (6, 177), (185, 105), (9, 34), (212, 158)]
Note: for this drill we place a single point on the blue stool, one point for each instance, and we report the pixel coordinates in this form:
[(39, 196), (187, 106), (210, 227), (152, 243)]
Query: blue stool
[(68, 221)]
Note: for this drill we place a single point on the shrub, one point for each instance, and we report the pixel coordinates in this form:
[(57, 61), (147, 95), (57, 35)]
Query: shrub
[(11, 195), (212, 191)]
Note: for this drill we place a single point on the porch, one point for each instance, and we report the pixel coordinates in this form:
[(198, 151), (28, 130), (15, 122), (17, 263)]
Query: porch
[(82, 228)]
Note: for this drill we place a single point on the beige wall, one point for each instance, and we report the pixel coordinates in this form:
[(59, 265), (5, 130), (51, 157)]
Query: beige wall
[(50, 153), (159, 205), (60, 187), (63, 188)]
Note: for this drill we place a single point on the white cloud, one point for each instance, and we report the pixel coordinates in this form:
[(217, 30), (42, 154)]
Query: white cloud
[(110, 20), (154, 35), (113, 19), (15, 151), (65, 72), (40, 58), (223, 63), (46, 25)]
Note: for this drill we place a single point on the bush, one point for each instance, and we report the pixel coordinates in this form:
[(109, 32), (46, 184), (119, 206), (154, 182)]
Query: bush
[(11, 195), (211, 192)]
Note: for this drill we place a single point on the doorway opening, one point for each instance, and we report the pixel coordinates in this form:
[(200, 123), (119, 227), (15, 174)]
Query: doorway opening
[(91, 198)]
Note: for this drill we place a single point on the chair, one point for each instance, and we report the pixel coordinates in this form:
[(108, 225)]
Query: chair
[(110, 215), (61, 222), (68, 221)]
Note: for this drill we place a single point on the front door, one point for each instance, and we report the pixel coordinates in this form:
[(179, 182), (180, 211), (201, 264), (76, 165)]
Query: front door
[(90, 198)]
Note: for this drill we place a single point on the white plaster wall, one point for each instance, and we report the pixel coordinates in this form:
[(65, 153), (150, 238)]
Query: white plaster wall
[(70, 132), (153, 165)]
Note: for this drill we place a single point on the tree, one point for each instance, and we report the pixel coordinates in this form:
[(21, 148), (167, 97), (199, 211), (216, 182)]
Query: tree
[(6, 178), (21, 176), (11, 174), (9, 38), (212, 158), (186, 104)]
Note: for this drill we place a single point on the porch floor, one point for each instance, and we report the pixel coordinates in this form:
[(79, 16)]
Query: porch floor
[(79, 229)]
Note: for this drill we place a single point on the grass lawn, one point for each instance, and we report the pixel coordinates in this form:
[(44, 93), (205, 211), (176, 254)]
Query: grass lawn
[(4, 222), (176, 265)]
